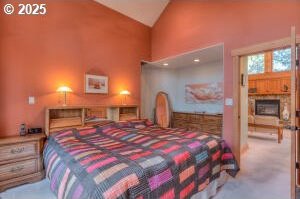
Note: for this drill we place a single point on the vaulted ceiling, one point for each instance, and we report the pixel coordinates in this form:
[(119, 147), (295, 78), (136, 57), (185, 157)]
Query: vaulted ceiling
[(144, 11)]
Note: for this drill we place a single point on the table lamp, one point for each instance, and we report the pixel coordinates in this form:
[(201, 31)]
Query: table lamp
[(124, 93), (64, 90)]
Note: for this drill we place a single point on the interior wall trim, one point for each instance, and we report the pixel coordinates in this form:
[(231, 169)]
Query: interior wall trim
[(256, 48)]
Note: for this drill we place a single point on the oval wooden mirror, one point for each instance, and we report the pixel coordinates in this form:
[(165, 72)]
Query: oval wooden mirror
[(162, 110)]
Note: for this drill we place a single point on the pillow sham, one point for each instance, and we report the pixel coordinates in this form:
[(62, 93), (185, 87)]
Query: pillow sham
[(135, 123)]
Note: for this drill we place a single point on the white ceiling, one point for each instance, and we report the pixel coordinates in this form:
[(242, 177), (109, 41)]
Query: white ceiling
[(205, 55), (144, 11)]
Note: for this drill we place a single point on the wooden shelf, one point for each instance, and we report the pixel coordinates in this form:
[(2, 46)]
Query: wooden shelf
[(278, 93), (271, 83), (62, 117), (62, 122), (127, 116)]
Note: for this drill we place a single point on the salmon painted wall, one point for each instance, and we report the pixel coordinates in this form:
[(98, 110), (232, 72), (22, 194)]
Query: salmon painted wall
[(40, 53), (192, 24)]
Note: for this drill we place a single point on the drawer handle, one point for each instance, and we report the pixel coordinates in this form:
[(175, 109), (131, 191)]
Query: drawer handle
[(16, 169), (17, 150)]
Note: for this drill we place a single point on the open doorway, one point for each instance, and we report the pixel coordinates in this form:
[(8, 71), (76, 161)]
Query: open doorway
[(240, 114), (265, 105)]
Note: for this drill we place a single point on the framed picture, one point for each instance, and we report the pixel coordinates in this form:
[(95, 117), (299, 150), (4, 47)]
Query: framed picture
[(96, 84), (204, 93)]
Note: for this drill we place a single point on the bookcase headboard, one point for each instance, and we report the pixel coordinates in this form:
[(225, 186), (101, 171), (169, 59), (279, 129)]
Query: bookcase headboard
[(62, 117)]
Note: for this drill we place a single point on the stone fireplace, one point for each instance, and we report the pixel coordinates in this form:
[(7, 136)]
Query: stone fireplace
[(268, 107), (284, 99)]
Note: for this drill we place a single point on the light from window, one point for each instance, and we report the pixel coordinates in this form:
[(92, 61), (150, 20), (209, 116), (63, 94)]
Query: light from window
[(281, 60), (256, 64)]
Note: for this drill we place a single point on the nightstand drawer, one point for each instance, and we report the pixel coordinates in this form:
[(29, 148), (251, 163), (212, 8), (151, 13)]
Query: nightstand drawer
[(18, 169), (21, 160), (18, 150)]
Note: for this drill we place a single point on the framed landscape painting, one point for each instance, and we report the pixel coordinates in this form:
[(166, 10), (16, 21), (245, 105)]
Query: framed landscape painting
[(204, 93), (96, 84)]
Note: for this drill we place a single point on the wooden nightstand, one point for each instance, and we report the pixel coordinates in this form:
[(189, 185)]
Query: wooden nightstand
[(21, 160)]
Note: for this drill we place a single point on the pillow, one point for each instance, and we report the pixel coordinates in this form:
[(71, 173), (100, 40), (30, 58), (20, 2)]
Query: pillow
[(135, 123), (123, 124), (101, 123)]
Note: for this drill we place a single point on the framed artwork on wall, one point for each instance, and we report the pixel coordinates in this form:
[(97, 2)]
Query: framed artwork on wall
[(204, 93), (96, 84)]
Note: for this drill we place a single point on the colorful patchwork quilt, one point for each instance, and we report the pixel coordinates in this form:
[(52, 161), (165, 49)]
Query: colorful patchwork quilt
[(134, 160)]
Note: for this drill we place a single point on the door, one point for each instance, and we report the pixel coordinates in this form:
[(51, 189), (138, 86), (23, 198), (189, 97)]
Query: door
[(295, 121), (244, 103), (296, 135)]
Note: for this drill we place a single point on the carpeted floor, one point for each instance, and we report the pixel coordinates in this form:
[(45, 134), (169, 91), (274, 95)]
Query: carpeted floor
[(265, 170), (265, 174)]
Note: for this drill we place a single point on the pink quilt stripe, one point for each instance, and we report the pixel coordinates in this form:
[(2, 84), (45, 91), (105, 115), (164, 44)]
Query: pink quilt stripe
[(78, 191), (86, 132), (168, 195), (51, 162), (142, 140), (187, 190), (91, 158), (216, 155), (159, 179), (227, 156), (121, 186), (194, 145), (203, 170), (100, 164), (62, 134), (170, 149), (63, 184)]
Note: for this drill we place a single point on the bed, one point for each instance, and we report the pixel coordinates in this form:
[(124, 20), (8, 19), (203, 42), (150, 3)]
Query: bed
[(135, 159)]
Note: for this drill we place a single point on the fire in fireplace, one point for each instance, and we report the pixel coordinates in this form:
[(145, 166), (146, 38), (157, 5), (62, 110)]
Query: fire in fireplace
[(267, 107)]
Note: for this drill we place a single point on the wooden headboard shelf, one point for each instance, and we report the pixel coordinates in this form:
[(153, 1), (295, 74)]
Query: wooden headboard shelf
[(63, 122), (63, 117)]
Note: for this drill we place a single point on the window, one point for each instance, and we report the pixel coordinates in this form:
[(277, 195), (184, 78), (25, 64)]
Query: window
[(281, 60), (270, 61), (256, 64)]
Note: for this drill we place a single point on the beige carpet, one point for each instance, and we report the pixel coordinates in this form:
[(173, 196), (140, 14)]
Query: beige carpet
[(265, 170), (265, 174)]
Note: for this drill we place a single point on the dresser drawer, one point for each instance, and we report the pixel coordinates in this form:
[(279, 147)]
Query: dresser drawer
[(180, 116), (18, 169), (194, 127), (196, 119), (18, 150), (179, 124)]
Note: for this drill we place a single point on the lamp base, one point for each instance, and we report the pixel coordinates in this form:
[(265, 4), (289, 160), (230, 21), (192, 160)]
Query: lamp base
[(124, 101)]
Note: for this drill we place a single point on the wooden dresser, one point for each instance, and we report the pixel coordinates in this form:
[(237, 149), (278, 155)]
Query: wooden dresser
[(209, 123), (21, 160)]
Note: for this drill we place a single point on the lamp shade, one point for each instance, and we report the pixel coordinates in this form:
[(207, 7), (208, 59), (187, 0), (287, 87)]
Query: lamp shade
[(125, 92), (64, 89)]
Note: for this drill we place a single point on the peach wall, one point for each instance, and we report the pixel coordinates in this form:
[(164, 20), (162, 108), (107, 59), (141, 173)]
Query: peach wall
[(40, 53), (190, 24)]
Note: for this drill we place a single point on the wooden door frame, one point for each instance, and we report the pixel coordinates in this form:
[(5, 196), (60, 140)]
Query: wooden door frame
[(293, 112), (236, 55)]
